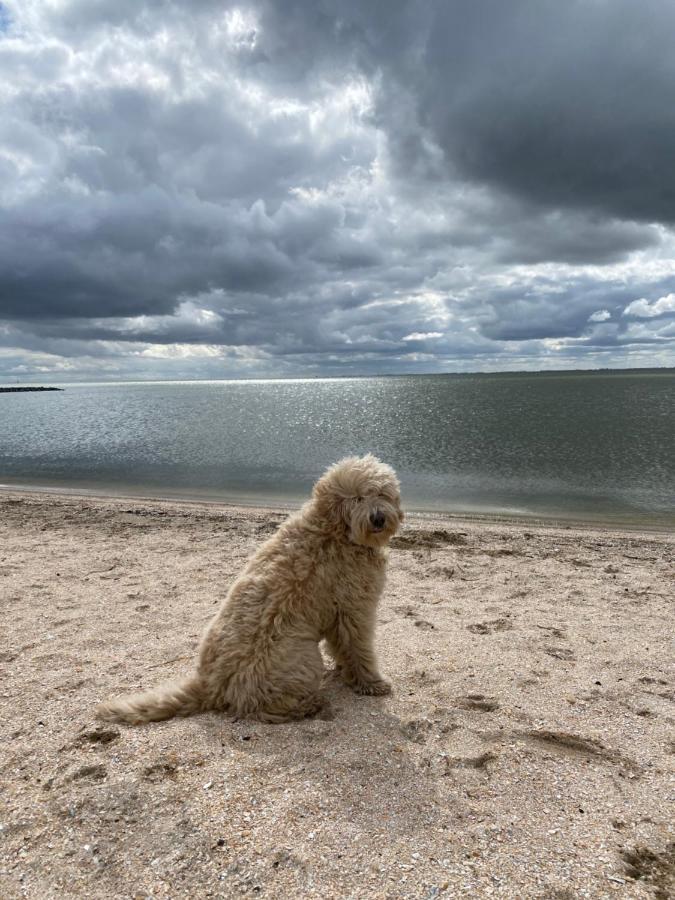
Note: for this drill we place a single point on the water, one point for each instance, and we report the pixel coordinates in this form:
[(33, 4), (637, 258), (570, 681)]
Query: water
[(574, 445)]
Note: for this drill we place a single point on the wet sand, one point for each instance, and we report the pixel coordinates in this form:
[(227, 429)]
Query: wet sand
[(528, 749)]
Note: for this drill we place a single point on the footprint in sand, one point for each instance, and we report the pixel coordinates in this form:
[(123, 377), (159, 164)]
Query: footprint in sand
[(98, 736), (477, 702), (443, 571), (95, 772), (501, 624), (553, 630), (417, 730), (656, 869), (159, 771), (573, 745), (428, 539), (469, 762), (563, 653)]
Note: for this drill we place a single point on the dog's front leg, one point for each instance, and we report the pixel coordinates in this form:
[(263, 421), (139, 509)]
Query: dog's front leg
[(350, 642)]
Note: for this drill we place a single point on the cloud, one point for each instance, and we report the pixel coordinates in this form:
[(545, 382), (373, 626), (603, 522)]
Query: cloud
[(422, 336), (643, 309), (262, 188), (559, 104)]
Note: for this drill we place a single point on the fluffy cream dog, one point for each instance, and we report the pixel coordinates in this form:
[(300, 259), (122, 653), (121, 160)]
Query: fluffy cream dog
[(319, 577)]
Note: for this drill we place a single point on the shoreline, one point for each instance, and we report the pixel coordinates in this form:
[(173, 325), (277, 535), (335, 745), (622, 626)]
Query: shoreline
[(620, 524), (526, 663)]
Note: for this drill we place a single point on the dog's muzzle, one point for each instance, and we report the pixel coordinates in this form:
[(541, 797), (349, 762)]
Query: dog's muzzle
[(377, 520)]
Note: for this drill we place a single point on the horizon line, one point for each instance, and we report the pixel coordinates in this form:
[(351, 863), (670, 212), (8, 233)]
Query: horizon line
[(14, 381)]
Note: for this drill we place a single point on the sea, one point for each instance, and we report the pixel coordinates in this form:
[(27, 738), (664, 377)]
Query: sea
[(573, 446)]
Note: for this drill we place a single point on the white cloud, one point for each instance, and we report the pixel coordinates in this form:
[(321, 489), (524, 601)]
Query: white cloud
[(643, 309), (182, 351), (600, 315), (422, 336)]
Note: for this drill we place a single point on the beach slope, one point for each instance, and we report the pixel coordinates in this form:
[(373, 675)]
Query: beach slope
[(527, 751)]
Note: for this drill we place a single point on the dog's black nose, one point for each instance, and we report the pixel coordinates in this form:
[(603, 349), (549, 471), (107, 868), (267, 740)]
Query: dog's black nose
[(377, 519)]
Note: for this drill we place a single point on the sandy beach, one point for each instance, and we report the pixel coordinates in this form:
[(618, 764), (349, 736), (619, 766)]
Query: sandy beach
[(528, 749)]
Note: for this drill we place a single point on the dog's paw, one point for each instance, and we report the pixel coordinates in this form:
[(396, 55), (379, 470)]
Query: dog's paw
[(376, 688)]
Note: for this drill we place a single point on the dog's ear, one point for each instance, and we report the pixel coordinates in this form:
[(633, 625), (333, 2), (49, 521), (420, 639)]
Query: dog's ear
[(329, 504), (321, 491)]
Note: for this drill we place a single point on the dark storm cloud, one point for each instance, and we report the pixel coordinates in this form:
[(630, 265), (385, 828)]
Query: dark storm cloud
[(126, 259), (139, 252), (331, 184), (572, 238), (563, 104), (543, 311)]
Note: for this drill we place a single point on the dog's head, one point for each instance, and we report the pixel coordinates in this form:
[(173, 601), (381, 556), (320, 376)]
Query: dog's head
[(359, 497)]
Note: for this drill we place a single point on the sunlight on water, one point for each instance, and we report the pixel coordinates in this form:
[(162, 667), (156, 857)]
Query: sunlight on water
[(586, 445)]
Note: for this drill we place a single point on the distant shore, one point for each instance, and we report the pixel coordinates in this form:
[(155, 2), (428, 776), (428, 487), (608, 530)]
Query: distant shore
[(21, 390), (526, 751)]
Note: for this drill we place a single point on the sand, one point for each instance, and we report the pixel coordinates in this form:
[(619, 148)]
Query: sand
[(528, 749)]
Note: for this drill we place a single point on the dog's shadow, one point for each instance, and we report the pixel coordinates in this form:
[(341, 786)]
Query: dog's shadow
[(357, 759)]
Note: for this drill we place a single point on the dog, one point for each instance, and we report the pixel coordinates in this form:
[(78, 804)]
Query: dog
[(318, 578)]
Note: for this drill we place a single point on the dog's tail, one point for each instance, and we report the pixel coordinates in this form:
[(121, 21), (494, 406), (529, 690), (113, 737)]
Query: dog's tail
[(178, 698)]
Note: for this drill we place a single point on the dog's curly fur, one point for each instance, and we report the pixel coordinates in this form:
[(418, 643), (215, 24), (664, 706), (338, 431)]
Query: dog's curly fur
[(319, 577)]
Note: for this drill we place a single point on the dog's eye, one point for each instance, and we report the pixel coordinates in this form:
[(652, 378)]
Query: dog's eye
[(359, 499)]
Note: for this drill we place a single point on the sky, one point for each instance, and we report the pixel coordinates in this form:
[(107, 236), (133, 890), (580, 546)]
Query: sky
[(335, 187)]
